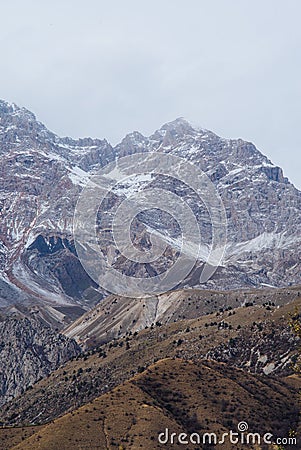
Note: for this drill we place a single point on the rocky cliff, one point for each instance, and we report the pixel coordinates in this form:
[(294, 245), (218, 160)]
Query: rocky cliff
[(29, 351)]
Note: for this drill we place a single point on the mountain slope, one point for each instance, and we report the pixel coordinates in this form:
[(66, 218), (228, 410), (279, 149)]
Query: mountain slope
[(262, 207), (42, 176), (115, 316), (224, 336), (198, 400)]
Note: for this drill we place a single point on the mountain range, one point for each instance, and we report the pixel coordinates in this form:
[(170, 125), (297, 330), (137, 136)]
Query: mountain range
[(42, 176)]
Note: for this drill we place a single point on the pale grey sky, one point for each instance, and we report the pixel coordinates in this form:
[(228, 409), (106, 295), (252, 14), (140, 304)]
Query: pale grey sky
[(105, 68)]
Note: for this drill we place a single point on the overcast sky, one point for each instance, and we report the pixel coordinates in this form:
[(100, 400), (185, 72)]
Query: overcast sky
[(105, 68)]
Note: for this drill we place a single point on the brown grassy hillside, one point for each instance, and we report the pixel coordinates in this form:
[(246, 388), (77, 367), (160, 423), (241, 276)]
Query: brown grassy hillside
[(179, 395), (81, 380)]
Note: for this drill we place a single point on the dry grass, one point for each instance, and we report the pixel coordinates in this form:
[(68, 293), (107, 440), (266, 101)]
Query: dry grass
[(175, 394)]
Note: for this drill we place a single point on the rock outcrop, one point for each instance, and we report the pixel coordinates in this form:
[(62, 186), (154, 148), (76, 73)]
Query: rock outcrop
[(29, 351)]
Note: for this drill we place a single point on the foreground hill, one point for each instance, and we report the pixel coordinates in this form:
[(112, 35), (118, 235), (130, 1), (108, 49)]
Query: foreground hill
[(256, 339), (183, 396)]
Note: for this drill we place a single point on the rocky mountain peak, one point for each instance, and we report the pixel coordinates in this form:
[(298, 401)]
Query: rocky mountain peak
[(133, 142), (19, 127), (17, 117), (178, 126), (171, 132), (11, 109)]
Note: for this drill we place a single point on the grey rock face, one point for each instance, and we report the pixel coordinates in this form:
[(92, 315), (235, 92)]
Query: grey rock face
[(41, 177), (29, 351), (263, 208), (43, 174)]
